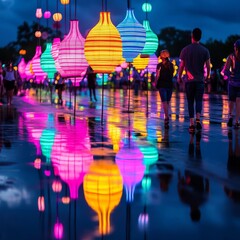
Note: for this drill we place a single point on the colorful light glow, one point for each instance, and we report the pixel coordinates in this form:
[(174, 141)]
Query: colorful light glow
[(71, 56), (130, 162), (140, 63), (151, 43), (103, 46), (133, 36), (102, 188), (39, 74), (47, 62)]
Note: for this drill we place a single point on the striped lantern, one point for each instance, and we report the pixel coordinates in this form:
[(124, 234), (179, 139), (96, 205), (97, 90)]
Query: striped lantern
[(55, 52), (103, 47), (133, 36), (36, 66), (140, 63), (153, 62), (71, 52), (21, 68), (47, 62), (151, 43)]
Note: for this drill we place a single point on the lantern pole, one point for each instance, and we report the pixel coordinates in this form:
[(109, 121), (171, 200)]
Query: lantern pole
[(102, 99)]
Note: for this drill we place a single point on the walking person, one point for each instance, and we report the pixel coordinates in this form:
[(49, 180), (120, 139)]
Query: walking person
[(10, 77), (59, 86), (91, 80), (164, 83), (193, 58), (231, 71)]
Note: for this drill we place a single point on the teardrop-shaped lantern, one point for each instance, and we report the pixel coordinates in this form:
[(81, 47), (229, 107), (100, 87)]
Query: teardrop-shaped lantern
[(71, 52), (28, 70), (36, 66), (21, 68), (47, 62), (39, 13), (55, 52), (152, 64), (130, 162), (133, 36), (102, 188), (140, 63), (151, 43), (103, 46)]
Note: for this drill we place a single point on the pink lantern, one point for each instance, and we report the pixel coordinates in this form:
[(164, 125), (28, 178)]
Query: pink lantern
[(152, 65), (58, 230), (38, 13), (28, 70), (21, 68), (55, 52), (40, 75), (130, 162), (70, 155), (47, 14), (71, 52)]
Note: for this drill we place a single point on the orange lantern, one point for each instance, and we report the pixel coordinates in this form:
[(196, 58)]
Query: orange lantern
[(38, 34), (22, 52), (41, 203)]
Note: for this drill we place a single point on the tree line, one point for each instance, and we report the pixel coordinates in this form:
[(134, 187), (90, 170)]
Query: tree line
[(169, 38)]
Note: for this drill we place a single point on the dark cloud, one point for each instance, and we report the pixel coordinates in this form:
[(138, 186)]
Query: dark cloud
[(218, 19)]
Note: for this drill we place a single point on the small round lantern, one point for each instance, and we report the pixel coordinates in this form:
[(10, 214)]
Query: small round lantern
[(47, 14), (147, 7), (38, 13), (57, 17), (38, 34), (64, 2)]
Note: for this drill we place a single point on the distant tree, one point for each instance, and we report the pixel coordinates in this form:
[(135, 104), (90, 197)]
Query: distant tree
[(26, 40), (174, 40)]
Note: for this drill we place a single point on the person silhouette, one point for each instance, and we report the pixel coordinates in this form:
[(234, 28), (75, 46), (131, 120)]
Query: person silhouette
[(193, 188)]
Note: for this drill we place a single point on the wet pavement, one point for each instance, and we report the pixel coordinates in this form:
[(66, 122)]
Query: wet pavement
[(109, 170)]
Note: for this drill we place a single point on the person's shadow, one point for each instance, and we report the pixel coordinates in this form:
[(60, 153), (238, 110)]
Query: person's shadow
[(193, 188)]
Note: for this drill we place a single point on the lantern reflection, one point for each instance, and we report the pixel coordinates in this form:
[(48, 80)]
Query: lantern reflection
[(102, 187), (70, 155)]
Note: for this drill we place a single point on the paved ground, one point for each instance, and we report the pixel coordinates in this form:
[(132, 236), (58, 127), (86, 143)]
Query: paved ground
[(142, 181)]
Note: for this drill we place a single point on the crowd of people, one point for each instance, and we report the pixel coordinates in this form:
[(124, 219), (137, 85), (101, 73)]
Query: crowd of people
[(194, 77)]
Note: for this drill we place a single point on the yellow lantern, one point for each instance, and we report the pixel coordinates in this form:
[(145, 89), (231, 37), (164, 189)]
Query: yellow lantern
[(64, 2), (38, 34), (103, 45), (102, 188), (57, 17), (140, 63)]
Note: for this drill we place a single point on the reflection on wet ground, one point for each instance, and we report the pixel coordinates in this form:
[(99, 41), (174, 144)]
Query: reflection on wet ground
[(99, 172)]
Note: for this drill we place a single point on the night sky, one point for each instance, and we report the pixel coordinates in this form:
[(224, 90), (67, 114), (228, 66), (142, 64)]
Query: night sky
[(217, 19)]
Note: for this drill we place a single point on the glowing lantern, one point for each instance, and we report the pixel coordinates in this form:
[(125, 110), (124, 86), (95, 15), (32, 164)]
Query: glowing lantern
[(102, 188), (151, 43), (47, 62), (47, 138), (58, 230), (147, 7), (64, 2), (47, 14), (57, 186), (133, 36), (103, 46), (130, 162), (152, 64), (38, 34), (140, 63), (55, 52), (22, 52), (38, 13), (41, 203), (28, 70), (21, 68), (71, 52), (36, 66), (70, 155), (57, 17)]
